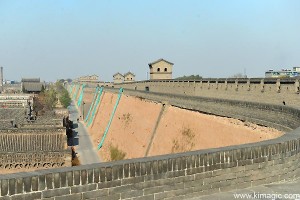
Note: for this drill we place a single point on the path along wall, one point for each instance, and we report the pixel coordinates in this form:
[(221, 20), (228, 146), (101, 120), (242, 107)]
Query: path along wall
[(270, 90), (182, 175)]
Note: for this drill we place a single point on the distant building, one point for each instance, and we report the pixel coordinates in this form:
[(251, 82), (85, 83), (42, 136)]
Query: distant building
[(9, 82), (12, 88), (88, 79), (32, 85), (118, 78), (129, 77), (296, 69), (160, 69), (283, 73)]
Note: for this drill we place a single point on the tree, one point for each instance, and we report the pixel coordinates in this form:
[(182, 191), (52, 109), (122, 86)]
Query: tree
[(63, 94), (43, 88), (191, 77), (64, 98), (50, 98), (238, 75)]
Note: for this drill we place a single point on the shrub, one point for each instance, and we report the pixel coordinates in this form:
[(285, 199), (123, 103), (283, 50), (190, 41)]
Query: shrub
[(116, 154), (127, 118)]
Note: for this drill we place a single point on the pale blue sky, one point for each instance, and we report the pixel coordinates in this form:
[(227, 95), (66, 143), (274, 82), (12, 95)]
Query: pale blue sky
[(55, 39)]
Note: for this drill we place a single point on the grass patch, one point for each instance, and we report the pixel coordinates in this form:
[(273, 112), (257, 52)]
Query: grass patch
[(116, 153)]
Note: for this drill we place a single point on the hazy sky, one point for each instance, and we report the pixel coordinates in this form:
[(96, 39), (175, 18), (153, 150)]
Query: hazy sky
[(55, 39)]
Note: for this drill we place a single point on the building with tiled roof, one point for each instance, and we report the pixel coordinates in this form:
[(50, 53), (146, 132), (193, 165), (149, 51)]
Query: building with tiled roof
[(161, 69)]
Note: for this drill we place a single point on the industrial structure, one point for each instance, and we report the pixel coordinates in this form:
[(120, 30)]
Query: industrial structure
[(283, 73)]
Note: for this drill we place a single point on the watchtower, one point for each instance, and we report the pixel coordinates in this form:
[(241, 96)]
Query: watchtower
[(160, 69)]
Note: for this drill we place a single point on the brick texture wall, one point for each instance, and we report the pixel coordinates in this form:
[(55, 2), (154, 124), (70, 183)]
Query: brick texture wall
[(176, 176), (273, 91)]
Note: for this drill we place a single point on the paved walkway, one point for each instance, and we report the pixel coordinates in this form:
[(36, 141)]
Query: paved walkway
[(82, 141), (278, 191)]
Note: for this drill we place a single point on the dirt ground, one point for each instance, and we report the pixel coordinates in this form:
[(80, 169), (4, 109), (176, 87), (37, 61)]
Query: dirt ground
[(131, 127), (179, 130), (182, 130)]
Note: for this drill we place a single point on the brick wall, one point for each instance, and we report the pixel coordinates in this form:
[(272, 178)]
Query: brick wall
[(273, 91), (174, 176)]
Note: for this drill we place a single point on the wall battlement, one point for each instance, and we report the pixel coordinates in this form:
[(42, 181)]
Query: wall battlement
[(268, 90)]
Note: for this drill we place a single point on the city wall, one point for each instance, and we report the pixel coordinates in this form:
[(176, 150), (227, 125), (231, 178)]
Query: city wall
[(177, 176), (268, 90)]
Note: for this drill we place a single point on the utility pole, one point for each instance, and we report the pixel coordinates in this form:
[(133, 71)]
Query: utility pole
[(245, 73)]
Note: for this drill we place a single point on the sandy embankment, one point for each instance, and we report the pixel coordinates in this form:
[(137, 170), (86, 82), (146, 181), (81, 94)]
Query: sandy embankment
[(131, 127), (184, 130), (179, 130)]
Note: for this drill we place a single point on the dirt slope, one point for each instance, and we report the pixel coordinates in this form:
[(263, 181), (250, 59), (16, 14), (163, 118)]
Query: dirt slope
[(179, 130)]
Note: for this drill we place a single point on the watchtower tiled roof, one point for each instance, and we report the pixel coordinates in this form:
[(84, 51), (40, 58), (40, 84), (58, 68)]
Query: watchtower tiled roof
[(118, 73), (35, 80), (150, 64), (129, 73)]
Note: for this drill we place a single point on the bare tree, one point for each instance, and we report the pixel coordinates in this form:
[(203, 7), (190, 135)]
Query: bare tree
[(238, 75)]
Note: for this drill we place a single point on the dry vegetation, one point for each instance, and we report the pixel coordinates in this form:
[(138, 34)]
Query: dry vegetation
[(127, 118), (185, 142), (116, 153)]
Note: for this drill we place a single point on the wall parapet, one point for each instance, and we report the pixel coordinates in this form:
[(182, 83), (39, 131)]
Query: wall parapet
[(187, 174), (271, 90), (232, 80)]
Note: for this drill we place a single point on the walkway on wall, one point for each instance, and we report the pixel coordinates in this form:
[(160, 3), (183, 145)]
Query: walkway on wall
[(287, 190), (82, 141)]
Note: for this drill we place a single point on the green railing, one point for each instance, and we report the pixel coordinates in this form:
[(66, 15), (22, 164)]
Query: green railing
[(111, 118), (76, 92), (95, 107), (81, 95), (92, 104)]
